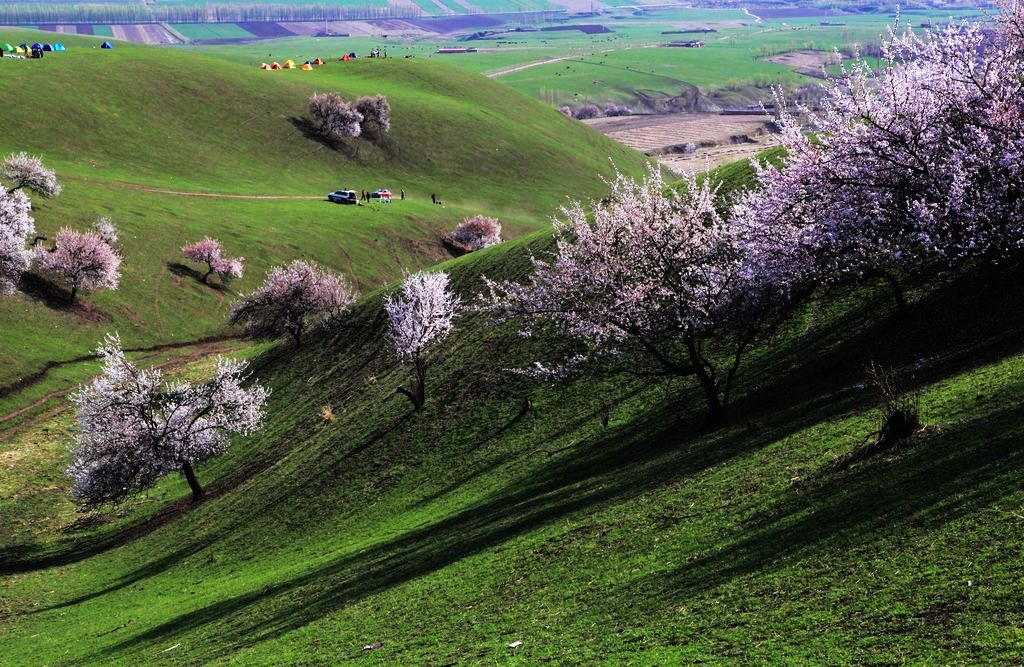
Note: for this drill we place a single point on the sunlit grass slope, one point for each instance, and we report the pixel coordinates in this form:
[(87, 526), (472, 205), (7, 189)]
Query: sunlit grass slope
[(119, 125), (449, 533)]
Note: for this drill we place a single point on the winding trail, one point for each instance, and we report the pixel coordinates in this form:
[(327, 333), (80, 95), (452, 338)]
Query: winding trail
[(203, 347), (188, 193)]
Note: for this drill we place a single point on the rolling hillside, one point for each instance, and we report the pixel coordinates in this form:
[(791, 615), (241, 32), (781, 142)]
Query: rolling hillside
[(145, 135), (447, 535)]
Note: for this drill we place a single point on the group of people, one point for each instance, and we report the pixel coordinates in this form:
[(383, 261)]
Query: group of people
[(375, 52)]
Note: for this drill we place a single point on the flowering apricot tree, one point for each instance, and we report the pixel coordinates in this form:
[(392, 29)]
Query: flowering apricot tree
[(210, 252), (24, 171), (134, 428), (292, 298), (654, 283), (422, 316), (80, 260)]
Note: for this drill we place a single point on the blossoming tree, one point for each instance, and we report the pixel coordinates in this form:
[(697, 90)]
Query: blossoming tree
[(134, 428), (21, 170), (292, 298), (422, 316), (82, 261), (210, 252)]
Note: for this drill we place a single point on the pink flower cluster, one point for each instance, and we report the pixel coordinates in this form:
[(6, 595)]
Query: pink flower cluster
[(80, 260)]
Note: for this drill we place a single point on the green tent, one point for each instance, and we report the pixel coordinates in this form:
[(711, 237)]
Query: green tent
[(7, 48)]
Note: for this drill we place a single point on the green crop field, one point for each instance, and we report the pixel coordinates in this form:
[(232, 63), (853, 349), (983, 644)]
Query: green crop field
[(149, 118)]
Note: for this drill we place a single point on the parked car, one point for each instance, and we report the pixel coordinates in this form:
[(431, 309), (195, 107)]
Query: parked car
[(383, 193), (344, 197)]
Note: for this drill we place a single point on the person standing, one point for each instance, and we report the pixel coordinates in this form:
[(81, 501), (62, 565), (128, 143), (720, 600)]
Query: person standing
[(433, 198), (402, 194)]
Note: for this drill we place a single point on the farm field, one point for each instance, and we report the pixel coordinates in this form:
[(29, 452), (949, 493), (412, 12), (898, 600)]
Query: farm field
[(690, 142), (231, 135)]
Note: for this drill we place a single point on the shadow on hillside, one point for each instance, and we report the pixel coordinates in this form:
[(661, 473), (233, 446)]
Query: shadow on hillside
[(657, 449), (185, 271), (309, 131), (938, 481), (53, 296)]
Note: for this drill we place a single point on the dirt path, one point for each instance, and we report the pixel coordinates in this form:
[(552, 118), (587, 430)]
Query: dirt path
[(203, 347), (188, 193)]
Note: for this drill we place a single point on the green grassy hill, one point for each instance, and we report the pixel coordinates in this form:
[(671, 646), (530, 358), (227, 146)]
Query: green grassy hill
[(122, 127), (449, 533)]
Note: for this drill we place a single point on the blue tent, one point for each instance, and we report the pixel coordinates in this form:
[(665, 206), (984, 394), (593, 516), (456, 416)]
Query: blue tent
[(59, 47), (106, 45), (47, 47), (37, 45)]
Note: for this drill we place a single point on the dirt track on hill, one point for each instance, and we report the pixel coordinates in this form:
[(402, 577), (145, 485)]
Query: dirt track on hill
[(188, 193), (203, 347)]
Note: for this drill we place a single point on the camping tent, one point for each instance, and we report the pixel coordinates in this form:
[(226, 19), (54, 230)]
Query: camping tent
[(306, 66), (352, 55), (37, 46), (264, 66), (308, 62), (59, 47), (345, 58), (47, 47), (106, 45), (7, 48), (318, 62), (289, 64), (275, 66), (21, 49)]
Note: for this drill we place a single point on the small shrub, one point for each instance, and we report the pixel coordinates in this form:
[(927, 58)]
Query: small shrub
[(476, 233)]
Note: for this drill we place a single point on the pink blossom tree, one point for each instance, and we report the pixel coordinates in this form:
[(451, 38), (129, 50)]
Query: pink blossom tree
[(22, 170), (16, 225), (134, 428), (82, 261), (477, 232), (654, 283), (210, 252), (376, 113), (333, 117), (919, 162), (293, 298), (421, 316)]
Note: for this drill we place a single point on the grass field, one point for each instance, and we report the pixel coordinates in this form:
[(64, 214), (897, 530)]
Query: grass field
[(149, 119), (447, 534)]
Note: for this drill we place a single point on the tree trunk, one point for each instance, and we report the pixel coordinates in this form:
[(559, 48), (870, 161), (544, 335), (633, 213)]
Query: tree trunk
[(74, 292), (707, 383), (190, 475), (897, 292), (208, 273)]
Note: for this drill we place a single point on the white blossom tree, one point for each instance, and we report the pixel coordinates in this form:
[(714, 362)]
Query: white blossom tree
[(376, 113), (293, 298), (918, 162), (134, 428), (22, 170), (106, 230), (80, 260), (16, 225), (333, 117), (654, 283), (423, 315), (211, 252)]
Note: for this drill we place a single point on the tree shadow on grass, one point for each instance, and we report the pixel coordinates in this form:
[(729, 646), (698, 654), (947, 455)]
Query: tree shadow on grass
[(186, 271), (938, 481), (619, 465), (53, 296)]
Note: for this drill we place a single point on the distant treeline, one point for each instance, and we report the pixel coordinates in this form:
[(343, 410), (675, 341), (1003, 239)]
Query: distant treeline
[(14, 14)]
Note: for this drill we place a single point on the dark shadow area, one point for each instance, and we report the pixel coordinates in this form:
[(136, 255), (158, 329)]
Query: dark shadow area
[(186, 271), (309, 131), (53, 296)]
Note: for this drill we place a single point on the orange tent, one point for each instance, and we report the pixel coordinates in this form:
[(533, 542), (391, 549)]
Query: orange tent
[(276, 66), (345, 58), (264, 66), (307, 67), (318, 62)]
